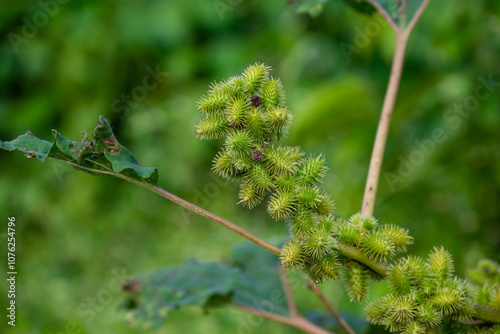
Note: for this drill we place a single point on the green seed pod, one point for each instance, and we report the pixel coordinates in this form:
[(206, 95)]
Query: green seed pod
[(282, 205), (440, 264), (416, 270), (393, 326), (239, 144), (369, 224), (254, 77), (212, 127), (483, 294), (348, 234), (376, 246), (399, 281), (223, 165), (285, 182), (319, 243), (398, 235), (327, 223), (447, 300), (250, 196), (403, 309), (282, 160), (213, 103), (325, 268), (357, 219), (415, 327), (376, 311), (365, 223), (312, 170), (259, 178), (292, 255), (278, 121), (325, 205), (302, 223), (242, 164), (233, 86), (465, 313), (236, 111), (272, 94), (495, 298), (356, 280), (429, 315), (256, 127), (308, 196), (482, 330)]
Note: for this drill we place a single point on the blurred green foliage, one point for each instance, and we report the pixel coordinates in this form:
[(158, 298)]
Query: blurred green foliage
[(78, 235)]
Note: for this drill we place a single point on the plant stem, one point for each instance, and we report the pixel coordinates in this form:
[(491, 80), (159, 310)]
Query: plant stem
[(382, 268), (288, 292), (383, 125), (487, 314), (330, 308), (296, 321), (207, 214)]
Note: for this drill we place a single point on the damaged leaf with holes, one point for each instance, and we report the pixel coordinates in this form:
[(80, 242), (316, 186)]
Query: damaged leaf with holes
[(102, 156)]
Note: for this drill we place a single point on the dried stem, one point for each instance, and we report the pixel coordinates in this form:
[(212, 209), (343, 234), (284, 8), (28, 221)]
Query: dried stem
[(383, 125), (330, 308)]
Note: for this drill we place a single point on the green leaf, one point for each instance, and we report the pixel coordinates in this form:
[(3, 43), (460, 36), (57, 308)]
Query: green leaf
[(154, 295), (31, 146), (361, 6), (102, 156), (250, 277), (311, 7), (259, 285), (399, 10)]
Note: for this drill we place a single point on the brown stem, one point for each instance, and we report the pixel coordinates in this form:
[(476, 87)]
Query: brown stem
[(487, 314), (288, 293), (207, 214), (383, 125), (330, 308), (388, 107), (297, 321)]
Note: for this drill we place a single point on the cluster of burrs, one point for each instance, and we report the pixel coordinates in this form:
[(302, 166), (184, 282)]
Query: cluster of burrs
[(248, 112)]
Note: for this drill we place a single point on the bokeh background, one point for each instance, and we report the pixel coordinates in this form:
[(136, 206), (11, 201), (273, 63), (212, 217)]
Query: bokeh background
[(76, 232)]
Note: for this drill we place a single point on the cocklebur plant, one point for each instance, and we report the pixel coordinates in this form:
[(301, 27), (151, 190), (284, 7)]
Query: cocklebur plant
[(248, 115)]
